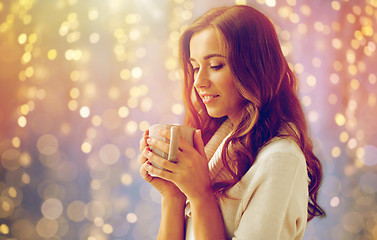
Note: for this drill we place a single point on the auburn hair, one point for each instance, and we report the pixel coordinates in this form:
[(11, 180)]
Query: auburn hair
[(263, 78)]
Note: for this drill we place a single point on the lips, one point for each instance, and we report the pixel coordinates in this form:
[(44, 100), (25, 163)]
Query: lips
[(207, 98)]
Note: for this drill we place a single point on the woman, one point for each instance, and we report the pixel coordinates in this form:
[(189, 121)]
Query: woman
[(257, 176)]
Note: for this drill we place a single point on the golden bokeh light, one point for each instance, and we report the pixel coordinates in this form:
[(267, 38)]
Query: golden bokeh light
[(76, 211)]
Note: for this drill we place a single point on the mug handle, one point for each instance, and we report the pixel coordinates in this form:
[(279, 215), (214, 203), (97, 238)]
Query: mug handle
[(174, 143)]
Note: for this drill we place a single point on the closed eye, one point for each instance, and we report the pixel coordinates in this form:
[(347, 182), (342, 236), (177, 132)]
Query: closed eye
[(217, 67)]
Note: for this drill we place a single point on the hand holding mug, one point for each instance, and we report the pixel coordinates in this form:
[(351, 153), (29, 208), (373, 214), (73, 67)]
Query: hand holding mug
[(189, 172), (166, 188), (176, 132)]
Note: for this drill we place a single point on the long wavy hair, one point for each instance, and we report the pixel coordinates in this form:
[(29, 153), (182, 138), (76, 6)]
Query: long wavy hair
[(268, 86)]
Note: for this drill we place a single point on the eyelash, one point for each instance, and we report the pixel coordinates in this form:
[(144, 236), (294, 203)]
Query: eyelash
[(216, 68)]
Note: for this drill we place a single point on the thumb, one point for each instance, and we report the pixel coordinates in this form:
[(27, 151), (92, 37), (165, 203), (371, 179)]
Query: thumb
[(198, 143)]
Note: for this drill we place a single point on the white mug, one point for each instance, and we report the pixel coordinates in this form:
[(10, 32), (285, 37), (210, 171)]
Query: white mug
[(175, 132)]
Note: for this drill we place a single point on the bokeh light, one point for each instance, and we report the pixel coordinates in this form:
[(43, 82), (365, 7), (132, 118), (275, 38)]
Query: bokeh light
[(80, 81)]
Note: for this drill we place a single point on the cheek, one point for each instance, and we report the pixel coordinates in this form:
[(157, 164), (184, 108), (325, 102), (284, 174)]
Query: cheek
[(230, 88), (234, 96)]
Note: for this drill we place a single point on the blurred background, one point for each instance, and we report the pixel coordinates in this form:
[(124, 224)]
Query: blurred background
[(81, 80)]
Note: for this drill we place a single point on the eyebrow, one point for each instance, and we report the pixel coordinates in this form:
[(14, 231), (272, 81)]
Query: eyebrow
[(209, 56)]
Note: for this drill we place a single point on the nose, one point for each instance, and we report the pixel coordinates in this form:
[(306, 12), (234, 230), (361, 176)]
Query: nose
[(201, 79)]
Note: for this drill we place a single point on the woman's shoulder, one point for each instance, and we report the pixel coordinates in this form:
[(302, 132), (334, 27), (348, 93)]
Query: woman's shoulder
[(280, 153), (282, 145), (278, 165)]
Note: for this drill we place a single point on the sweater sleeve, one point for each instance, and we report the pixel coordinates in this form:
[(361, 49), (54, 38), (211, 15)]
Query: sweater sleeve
[(274, 205)]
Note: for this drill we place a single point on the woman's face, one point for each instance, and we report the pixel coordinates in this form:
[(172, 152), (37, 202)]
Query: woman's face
[(213, 79)]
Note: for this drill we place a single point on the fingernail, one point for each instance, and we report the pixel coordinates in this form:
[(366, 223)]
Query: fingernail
[(147, 153), (149, 141), (147, 167), (162, 131)]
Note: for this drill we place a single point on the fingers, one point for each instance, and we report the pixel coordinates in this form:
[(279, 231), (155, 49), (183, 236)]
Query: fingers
[(156, 159), (143, 146), (148, 169), (143, 140), (163, 146), (142, 158), (144, 172), (183, 144), (198, 143), (160, 173)]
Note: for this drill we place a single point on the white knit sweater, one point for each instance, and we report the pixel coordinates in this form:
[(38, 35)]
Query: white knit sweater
[(270, 201)]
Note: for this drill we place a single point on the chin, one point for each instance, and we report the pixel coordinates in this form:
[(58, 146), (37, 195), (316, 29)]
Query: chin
[(214, 114)]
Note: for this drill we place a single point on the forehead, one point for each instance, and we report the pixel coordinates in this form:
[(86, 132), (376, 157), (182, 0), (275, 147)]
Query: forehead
[(204, 43)]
